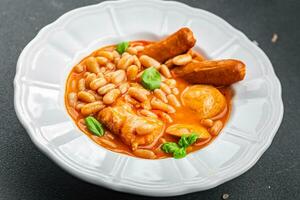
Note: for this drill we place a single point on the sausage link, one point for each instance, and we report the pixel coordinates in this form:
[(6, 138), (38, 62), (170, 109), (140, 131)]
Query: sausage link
[(175, 44)]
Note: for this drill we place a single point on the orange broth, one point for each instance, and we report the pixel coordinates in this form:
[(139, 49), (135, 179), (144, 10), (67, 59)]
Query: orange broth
[(183, 115)]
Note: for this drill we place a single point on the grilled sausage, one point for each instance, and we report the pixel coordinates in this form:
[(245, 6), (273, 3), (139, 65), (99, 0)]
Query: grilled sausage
[(175, 44), (218, 73)]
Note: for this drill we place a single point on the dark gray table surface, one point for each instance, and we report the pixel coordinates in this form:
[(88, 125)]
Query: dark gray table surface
[(26, 173)]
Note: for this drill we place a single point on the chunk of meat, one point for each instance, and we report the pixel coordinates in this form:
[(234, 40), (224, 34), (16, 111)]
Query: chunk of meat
[(218, 73), (207, 101), (173, 45), (132, 129)]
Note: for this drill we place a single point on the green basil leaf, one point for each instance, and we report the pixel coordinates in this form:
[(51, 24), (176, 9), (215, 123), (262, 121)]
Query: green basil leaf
[(179, 153), (94, 126), (151, 79), (184, 142), (169, 147), (121, 47), (192, 138), (187, 140)]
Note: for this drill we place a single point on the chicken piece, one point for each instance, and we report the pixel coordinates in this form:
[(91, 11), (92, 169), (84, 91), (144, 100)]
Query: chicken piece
[(207, 101), (218, 73), (134, 130), (175, 44)]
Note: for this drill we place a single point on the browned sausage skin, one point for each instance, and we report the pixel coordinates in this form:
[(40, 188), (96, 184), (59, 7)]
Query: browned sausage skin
[(173, 45), (218, 73)]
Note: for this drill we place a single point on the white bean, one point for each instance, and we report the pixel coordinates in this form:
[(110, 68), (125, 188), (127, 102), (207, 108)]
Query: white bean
[(97, 83), (160, 95), (107, 54), (144, 153), (92, 108), (149, 62), (72, 98), (158, 104), (173, 100), (137, 61), (132, 72), (118, 76), (92, 65), (137, 94), (86, 97), (81, 84), (165, 71), (125, 61), (111, 96), (148, 113), (89, 78), (164, 87), (79, 68), (216, 128), (102, 60), (182, 59), (144, 129), (123, 88), (207, 122), (106, 88)]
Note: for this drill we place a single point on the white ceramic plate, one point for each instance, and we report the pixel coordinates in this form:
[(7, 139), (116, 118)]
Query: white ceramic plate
[(41, 75)]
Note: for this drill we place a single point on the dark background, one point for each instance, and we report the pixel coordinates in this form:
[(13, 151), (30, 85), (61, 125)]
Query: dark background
[(26, 173)]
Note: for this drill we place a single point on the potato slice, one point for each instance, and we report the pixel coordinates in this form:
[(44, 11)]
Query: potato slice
[(187, 129), (207, 101)]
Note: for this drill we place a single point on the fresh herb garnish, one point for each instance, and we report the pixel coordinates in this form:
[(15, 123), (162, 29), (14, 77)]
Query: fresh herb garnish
[(151, 79), (94, 126), (180, 153), (179, 150), (170, 147), (187, 140), (121, 47)]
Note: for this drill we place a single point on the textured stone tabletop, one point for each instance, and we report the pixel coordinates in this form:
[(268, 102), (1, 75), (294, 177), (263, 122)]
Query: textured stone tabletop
[(26, 173)]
